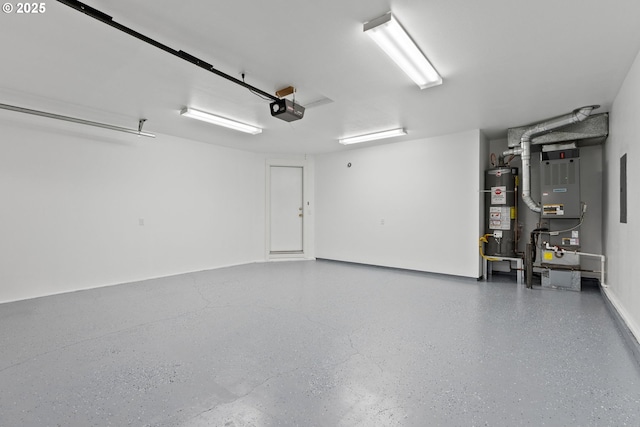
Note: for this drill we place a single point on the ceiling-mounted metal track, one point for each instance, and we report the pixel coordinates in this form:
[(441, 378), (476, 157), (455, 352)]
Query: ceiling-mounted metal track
[(103, 17), (138, 132)]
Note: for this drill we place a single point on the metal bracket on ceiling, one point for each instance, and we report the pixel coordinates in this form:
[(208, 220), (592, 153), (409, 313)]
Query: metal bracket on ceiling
[(140, 124)]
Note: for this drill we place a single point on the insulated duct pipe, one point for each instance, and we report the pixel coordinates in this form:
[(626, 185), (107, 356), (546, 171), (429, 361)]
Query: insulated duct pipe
[(525, 147)]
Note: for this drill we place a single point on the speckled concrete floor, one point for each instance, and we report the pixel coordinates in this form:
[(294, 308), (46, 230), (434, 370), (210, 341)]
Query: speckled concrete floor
[(315, 344)]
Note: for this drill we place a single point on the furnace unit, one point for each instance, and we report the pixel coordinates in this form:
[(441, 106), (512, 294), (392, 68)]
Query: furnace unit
[(562, 210)]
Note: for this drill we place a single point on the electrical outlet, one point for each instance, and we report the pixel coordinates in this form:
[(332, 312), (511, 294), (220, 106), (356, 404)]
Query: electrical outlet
[(141, 221), (382, 222)]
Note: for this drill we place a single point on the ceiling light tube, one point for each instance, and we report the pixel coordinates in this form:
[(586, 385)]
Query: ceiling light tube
[(387, 32), (372, 136), (220, 121)]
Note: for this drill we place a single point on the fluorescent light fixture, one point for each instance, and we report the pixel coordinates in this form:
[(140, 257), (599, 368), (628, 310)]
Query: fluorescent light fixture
[(372, 136), (220, 121), (387, 32)]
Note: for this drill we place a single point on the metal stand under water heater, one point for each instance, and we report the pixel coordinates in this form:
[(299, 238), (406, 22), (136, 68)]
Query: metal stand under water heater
[(501, 191)]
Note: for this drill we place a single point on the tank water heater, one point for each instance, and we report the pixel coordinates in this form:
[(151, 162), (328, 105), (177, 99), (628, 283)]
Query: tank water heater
[(501, 214)]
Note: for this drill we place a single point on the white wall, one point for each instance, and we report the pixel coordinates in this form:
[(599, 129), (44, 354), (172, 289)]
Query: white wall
[(426, 192), (622, 241), (72, 198)]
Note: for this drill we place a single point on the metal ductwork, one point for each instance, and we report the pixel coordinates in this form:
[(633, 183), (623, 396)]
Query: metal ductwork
[(593, 130), (524, 150)]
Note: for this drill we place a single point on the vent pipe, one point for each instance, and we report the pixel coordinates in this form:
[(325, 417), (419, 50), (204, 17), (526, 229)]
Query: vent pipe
[(525, 147)]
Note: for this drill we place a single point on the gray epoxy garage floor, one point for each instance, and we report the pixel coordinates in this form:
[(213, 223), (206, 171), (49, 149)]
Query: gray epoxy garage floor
[(315, 344)]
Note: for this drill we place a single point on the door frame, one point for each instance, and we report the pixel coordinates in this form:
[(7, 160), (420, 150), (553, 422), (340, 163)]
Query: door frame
[(306, 209)]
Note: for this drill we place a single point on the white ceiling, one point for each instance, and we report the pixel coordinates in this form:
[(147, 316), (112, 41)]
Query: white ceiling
[(505, 63)]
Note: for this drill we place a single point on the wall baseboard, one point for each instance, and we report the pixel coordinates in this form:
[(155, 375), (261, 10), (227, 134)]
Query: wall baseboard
[(629, 330), (391, 267), (141, 279)]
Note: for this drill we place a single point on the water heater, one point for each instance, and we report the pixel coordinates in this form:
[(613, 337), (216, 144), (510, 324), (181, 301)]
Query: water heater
[(501, 213)]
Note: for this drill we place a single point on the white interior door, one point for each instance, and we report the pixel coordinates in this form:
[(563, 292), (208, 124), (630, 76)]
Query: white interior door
[(286, 210)]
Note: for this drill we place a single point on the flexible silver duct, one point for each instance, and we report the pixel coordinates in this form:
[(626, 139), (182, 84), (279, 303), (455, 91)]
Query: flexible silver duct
[(525, 147)]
